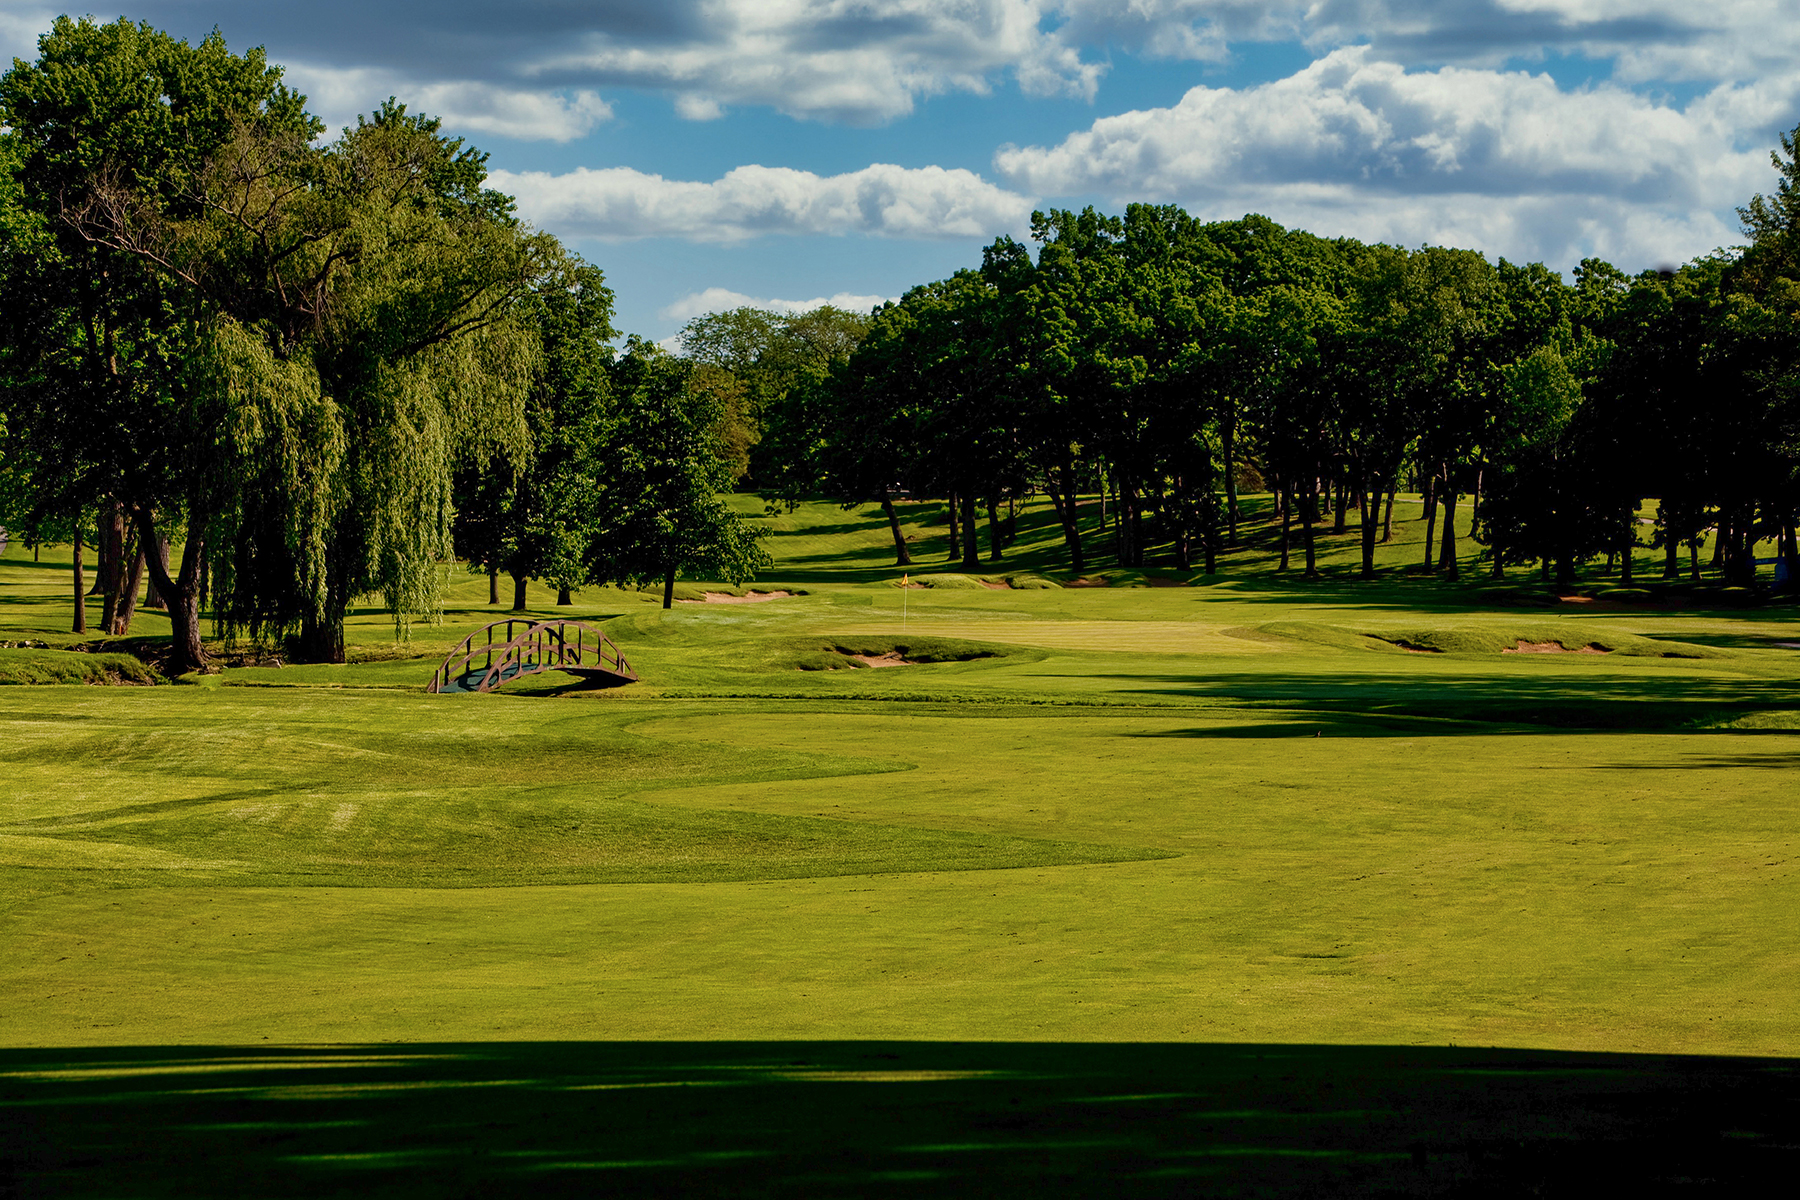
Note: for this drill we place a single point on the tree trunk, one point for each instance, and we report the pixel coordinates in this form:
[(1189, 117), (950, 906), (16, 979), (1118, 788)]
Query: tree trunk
[(1339, 521), (1309, 516), (79, 625), (1387, 522), (102, 554), (1740, 555), (1228, 432), (971, 558), (111, 566), (669, 589), (1671, 544), (182, 593), (955, 534), (1285, 498), (1475, 503), (519, 582), (993, 507), (1791, 559), (493, 586), (153, 597), (563, 598), (1565, 572), (1134, 515), (1071, 518), (128, 596), (1625, 563), (1447, 559), (1430, 515), (1367, 507), (902, 556)]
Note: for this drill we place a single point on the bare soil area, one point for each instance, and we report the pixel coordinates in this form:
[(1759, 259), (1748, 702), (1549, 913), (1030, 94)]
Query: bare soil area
[(890, 659), (1553, 648)]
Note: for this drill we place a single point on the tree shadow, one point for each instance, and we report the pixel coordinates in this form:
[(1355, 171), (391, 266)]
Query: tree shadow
[(1483, 703), (881, 1119)]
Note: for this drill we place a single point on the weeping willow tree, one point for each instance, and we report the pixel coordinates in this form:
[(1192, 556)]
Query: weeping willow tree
[(366, 334)]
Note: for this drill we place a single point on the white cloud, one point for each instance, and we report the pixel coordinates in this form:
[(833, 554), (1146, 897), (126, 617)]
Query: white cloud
[(718, 299), (338, 95), (1504, 161), (843, 60), (750, 201)]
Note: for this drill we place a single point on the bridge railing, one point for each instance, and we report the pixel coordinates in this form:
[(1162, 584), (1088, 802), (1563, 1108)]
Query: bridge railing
[(537, 646)]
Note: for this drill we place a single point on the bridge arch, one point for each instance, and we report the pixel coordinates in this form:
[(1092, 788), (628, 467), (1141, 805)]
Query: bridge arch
[(506, 650)]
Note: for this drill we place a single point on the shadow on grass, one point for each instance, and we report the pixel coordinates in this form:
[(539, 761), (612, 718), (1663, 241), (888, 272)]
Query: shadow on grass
[(883, 1119), (1391, 702)]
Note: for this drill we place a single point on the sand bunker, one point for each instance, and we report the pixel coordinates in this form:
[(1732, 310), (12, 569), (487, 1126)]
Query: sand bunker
[(1554, 648), (890, 659), (996, 587), (728, 598)]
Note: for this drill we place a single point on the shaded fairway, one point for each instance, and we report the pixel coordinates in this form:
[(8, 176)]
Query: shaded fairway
[(887, 1119)]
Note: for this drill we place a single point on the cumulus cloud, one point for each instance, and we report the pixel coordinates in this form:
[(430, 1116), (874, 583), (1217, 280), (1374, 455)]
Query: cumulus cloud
[(718, 299), (837, 60), (883, 200), (338, 95), (1500, 160), (862, 62)]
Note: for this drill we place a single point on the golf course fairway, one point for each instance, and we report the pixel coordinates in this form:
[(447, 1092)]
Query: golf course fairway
[(1258, 885)]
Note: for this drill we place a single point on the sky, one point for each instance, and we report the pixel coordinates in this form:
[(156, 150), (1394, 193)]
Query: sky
[(784, 153)]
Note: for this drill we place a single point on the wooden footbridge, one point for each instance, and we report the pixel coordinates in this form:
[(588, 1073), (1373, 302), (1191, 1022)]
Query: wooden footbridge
[(511, 649)]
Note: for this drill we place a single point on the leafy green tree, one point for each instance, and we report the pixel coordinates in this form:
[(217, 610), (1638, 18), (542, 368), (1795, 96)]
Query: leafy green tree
[(529, 515), (365, 322), (779, 360), (660, 471), (109, 384)]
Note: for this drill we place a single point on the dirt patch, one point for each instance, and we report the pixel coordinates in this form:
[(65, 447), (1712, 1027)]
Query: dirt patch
[(1089, 583), (890, 659), (996, 587), (1787, 645), (1575, 599), (1554, 648), (728, 598)]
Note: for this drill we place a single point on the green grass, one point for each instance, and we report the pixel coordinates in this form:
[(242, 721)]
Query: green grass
[(1241, 812)]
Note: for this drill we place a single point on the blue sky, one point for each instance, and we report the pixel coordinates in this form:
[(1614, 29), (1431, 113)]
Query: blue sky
[(713, 152)]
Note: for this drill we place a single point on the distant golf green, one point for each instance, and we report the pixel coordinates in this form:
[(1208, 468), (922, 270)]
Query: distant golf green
[(1236, 810)]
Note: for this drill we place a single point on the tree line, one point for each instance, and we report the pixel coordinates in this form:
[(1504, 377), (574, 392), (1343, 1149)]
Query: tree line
[(1162, 362), (278, 373)]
